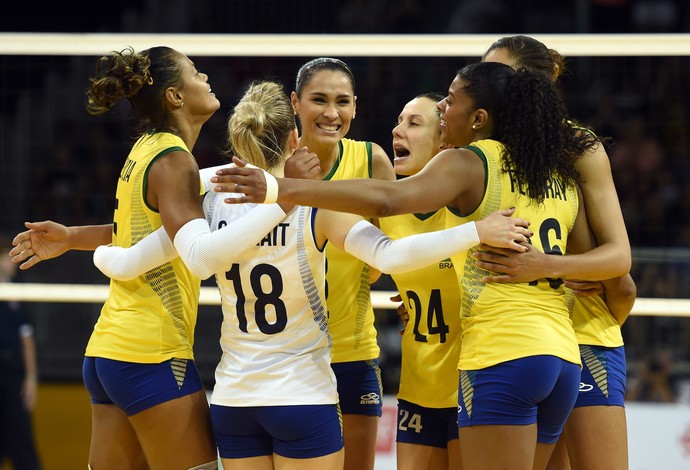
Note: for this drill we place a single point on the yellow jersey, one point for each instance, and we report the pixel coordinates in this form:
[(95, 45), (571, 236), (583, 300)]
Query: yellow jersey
[(502, 322), (431, 341), (149, 319), (594, 325), (348, 295)]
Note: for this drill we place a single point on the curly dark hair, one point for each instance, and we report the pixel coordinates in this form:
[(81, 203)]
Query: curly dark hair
[(530, 119), (140, 77)]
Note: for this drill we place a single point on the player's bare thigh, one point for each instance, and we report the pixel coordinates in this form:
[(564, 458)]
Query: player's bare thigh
[(359, 433), (334, 461), (114, 443), (598, 438), (177, 433), (510, 447), (423, 457)]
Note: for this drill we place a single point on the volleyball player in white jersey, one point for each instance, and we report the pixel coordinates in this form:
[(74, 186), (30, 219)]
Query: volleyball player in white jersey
[(274, 404)]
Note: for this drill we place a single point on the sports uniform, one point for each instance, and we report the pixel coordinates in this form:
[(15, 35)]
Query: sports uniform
[(274, 338), (603, 379), (428, 392), (602, 352), (150, 319), (350, 314), (275, 390), (509, 329)]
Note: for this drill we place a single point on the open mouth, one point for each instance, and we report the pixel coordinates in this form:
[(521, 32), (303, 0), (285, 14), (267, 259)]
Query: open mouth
[(400, 152)]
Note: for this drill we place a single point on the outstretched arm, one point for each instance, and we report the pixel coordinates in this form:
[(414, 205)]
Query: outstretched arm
[(439, 184), (368, 243), (47, 239), (205, 252)]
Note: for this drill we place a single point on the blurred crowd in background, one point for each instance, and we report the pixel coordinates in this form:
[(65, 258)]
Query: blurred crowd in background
[(60, 163)]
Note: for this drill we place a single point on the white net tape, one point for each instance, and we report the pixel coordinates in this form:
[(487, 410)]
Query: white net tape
[(353, 45), (82, 293)]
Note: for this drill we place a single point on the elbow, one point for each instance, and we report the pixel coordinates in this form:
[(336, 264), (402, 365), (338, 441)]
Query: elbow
[(624, 294), (628, 290), (201, 272), (122, 276), (623, 289), (385, 204), (626, 266), (198, 265), (619, 269), (383, 209), (390, 267)]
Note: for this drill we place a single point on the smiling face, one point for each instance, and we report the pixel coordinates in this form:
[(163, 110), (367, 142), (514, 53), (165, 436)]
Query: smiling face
[(458, 116), (417, 137), (196, 91), (325, 107)]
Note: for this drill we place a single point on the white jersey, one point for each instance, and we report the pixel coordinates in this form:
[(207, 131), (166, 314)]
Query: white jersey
[(274, 336)]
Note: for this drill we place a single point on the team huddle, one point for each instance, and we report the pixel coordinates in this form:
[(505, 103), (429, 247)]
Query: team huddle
[(497, 218)]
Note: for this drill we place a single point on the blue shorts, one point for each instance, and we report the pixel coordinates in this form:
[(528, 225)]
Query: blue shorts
[(359, 387), (135, 387), (603, 376), (296, 431), (535, 389), (432, 427)]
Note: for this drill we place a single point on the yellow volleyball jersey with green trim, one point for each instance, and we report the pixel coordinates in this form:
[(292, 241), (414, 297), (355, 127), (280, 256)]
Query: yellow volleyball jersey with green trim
[(502, 322), (593, 323), (431, 341), (149, 319), (348, 296)]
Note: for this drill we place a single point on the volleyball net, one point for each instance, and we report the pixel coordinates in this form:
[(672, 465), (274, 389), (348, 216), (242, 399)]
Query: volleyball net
[(354, 45), (85, 293)]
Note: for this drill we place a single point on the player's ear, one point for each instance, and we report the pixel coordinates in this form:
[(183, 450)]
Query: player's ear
[(293, 140)]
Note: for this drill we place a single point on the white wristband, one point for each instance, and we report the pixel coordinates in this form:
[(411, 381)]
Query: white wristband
[(271, 185), (271, 188)]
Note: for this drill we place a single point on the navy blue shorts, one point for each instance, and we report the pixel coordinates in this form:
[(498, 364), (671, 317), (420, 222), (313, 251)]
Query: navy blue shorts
[(135, 387), (535, 389), (359, 387), (295, 431), (432, 427), (603, 376)]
